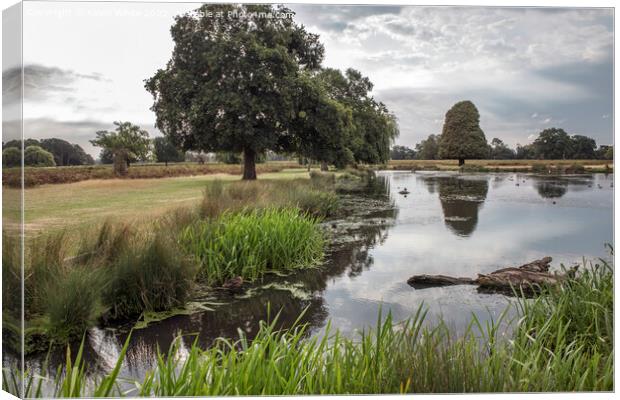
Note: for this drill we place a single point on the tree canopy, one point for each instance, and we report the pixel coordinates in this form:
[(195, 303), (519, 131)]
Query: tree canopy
[(127, 141), (402, 153), (11, 157), (462, 138), (232, 81), (165, 151), (428, 149), (64, 153), (36, 156)]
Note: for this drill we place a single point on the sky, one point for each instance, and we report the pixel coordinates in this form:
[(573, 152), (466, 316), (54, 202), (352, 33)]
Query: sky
[(526, 69)]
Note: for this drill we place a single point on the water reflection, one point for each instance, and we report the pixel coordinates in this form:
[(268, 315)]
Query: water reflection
[(556, 186), (461, 200)]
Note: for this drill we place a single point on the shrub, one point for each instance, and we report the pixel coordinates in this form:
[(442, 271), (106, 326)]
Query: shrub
[(72, 303), (11, 157), (252, 243), (150, 274), (575, 169), (540, 168), (36, 156)]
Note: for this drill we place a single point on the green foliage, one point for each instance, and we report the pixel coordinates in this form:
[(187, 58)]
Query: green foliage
[(253, 243), (605, 152), (373, 128), (499, 151), (66, 153), (165, 151), (428, 149), (562, 342), (35, 156), (127, 142), (11, 157), (150, 273), (553, 144), (212, 97), (462, 138), (402, 153), (315, 197), (72, 303)]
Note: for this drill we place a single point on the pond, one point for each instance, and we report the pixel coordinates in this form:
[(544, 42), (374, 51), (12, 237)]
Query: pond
[(448, 223)]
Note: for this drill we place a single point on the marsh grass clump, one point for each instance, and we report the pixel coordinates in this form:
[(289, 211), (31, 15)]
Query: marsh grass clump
[(254, 242), (73, 303), (315, 196), (150, 277)]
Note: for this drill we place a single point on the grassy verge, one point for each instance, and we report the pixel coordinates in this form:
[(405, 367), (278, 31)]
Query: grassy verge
[(119, 270), (54, 207), (563, 341), (54, 175)]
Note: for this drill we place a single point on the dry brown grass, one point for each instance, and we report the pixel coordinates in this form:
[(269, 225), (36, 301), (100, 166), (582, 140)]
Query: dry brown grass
[(53, 175)]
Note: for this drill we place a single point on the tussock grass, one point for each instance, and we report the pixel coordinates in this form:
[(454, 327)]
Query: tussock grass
[(251, 243), (562, 341), (316, 196)]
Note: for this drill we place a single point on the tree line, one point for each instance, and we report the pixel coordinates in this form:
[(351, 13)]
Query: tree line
[(44, 153), (457, 141)]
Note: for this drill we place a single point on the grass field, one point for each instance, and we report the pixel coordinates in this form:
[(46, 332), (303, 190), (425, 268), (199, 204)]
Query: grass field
[(62, 205)]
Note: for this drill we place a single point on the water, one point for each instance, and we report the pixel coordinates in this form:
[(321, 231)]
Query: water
[(448, 223)]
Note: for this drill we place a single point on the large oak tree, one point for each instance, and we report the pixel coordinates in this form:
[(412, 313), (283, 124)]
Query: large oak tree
[(233, 80)]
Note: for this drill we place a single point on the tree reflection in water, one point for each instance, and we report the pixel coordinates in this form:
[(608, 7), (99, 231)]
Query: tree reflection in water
[(461, 199)]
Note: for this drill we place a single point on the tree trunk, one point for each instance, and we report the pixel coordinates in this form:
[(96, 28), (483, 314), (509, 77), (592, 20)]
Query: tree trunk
[(249, 164), (166, 162), (461, 161), (120, 164), (324, 166)]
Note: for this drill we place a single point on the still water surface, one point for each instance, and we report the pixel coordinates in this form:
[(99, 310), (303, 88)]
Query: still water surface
[(448, 223)]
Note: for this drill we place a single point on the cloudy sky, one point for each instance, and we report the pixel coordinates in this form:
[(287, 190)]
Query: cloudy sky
[(525, 68)]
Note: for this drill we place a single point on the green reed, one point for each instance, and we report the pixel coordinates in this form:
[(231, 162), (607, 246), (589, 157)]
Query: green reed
[(252, 243), (562, 341)]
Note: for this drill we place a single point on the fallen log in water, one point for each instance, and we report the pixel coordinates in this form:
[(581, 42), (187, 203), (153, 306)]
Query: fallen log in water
[(527, 277)]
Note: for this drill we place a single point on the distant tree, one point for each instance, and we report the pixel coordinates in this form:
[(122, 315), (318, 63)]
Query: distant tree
[(462, 137), (66, 153), (525, 152), (35, 156), (228, 157), (232, 82), (553, 144), (428, 149), (126, 142), (165, 151), (402, 153), (605, 152), (106, 156), (18, 143), (499, 151), (582, 147), (11, 157)]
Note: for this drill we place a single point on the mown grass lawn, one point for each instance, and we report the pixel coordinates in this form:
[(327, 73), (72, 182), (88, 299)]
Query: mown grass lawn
[(86, 202)]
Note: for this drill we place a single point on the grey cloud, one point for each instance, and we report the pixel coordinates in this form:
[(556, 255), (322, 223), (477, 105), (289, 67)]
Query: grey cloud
[(40, 82), (336, 18)]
